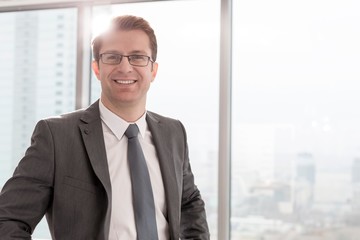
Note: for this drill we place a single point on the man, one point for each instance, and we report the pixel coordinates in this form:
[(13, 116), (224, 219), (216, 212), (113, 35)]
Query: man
[(76, 170)]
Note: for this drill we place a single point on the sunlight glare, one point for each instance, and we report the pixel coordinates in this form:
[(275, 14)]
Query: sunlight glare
[(99, 24)]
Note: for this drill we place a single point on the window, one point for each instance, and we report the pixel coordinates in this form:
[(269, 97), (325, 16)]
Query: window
[(27, 96), (296, 141)]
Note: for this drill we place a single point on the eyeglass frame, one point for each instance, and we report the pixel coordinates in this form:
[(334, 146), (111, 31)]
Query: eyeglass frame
[(128, 58)]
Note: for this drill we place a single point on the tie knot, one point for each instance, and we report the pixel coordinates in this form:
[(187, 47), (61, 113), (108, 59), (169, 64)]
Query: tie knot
[(132, 131)]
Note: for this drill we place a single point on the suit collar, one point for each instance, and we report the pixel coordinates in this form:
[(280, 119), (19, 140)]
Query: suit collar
[(92, 113), (153, 117), (117, 125)]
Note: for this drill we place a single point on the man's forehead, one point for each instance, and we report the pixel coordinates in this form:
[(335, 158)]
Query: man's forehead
[(115, 33), (113, 42), (133, 37)]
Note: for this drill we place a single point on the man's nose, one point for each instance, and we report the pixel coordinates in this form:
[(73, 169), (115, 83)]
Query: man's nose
[(124, 65)]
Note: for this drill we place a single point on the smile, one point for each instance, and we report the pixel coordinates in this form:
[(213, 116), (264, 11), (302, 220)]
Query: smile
[(125, 81)]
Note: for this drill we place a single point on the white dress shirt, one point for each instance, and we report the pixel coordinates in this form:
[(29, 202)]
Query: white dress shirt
[(122, 222)]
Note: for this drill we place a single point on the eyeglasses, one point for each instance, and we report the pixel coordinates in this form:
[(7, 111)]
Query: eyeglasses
[(134, 60)]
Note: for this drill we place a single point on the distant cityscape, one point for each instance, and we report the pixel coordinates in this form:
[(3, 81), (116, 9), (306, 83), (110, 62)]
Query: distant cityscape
[(293, 199)]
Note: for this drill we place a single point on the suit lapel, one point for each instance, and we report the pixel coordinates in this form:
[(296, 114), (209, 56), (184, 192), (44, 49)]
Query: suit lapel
[(160, 133), (92, 134)]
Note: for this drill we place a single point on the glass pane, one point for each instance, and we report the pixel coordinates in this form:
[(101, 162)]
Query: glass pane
[(296, 141), (185, 88), (37, 79)]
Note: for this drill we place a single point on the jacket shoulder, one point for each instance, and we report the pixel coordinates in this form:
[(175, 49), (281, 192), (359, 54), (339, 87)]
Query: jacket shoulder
[(87, 115), (74, 116)]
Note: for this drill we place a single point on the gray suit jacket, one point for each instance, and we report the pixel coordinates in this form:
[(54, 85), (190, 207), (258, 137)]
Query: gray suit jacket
[(64, 174)]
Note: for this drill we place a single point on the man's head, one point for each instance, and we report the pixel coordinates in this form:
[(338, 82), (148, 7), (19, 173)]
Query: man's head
[(124, 63), (126, 23)]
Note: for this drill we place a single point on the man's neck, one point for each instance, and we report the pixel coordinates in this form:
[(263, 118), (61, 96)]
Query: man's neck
[(130, 113)]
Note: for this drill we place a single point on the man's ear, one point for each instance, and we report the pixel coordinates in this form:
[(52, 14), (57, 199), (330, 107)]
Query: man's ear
[(95, 67), (154, 68)]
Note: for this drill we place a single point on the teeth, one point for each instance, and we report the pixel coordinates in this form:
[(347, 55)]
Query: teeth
[(125, 81)]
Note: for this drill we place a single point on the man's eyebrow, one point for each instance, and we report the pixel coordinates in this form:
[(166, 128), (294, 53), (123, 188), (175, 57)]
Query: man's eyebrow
[(112, 51), (138, 52)]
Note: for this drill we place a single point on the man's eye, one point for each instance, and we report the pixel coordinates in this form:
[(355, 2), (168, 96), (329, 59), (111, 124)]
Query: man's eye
[(137, 58), (111, 57)]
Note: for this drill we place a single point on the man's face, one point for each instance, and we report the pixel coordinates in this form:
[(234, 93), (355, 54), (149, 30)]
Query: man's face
[(124, 85)]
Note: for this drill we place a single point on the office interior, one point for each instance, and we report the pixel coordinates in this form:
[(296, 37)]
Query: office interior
[(267, 90)]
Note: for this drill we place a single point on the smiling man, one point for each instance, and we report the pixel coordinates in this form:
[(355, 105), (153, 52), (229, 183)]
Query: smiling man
[(113, 170)]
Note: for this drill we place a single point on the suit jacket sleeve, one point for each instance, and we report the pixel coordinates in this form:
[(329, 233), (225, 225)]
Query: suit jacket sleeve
[(193, 224), (25, 197)]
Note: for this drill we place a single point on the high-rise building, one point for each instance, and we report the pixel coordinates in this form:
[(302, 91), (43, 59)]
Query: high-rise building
[(44, 64), (25, 80), (305, 168), (38, 56)]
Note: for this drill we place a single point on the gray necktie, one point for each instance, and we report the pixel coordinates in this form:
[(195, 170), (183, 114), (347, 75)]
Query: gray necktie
[(143, 199)]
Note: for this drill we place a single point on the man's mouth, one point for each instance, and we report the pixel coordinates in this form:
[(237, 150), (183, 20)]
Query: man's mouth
[(126, 82)]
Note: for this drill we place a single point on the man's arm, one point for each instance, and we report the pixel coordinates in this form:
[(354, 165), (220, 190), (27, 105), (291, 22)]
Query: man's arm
[(25, 197), (193, 224)]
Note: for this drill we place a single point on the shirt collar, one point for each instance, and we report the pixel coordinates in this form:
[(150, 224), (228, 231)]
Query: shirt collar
[(117, 125)]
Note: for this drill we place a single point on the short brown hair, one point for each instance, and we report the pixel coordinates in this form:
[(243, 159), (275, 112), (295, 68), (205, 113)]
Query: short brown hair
[(127, 23)]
